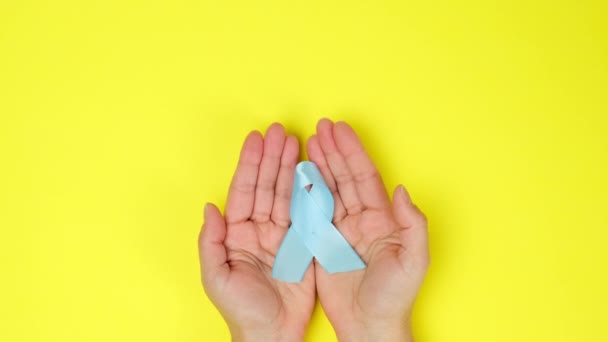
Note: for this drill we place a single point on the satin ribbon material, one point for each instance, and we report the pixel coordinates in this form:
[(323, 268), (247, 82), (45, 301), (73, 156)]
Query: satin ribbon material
[(311, 233)]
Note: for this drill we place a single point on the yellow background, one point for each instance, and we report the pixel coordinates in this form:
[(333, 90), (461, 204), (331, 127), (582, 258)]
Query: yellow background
[(119, 120)]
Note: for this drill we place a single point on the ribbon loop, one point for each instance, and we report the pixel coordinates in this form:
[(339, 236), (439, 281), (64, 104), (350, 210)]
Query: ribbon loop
[(311, 233)]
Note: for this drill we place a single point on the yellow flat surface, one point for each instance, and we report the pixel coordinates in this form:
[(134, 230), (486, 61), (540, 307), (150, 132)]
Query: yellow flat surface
[(120, 119)]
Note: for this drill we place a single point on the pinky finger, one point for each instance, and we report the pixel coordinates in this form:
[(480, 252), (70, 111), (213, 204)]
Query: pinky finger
[(212, 252)]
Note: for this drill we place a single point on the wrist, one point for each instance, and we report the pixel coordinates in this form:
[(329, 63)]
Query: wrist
[(377, 331), (265, 335)]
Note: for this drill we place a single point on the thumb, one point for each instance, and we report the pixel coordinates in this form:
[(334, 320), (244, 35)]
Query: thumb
[(212, 252), (413, 224)]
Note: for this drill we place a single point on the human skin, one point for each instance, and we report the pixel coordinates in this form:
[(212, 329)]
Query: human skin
[(237, 250), (373, 304)]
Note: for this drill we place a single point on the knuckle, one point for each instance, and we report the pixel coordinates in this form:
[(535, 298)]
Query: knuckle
[(343, 178), (266, 185), (422, 217), (363, 176), (283, 193), (243, 187), (354, 208), (280, 220), (261, 216)]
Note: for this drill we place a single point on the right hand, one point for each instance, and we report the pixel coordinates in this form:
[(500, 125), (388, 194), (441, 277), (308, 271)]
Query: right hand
[(237, 251), (373, 304)]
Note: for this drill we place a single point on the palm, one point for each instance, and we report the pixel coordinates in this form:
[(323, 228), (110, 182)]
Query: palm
[(375, 235), (261, 299), (390, 238), (238, 251)]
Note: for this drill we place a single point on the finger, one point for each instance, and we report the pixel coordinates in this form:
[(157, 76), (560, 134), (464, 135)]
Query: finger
[(212, 253), (282, 193), (241, 196), (413, 223), (269, 169), (368, 182), (338, 167), (315, 154)]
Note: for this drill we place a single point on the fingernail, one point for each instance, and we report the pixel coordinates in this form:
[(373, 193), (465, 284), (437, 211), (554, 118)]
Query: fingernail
[(404, 193), (205, 210)]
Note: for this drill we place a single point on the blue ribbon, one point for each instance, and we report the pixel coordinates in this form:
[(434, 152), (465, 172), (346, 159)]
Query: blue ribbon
[(311, 232)]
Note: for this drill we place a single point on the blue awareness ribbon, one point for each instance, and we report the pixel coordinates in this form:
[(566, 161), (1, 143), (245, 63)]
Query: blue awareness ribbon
[(311, 233)]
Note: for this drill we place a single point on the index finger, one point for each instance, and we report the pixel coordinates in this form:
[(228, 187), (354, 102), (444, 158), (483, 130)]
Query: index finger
[(368, 182)]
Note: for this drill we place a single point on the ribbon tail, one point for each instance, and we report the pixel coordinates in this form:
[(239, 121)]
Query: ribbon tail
[(292, 259), (332, 251)]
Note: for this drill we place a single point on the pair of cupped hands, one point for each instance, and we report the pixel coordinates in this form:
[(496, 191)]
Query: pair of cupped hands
[(237, 250)]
